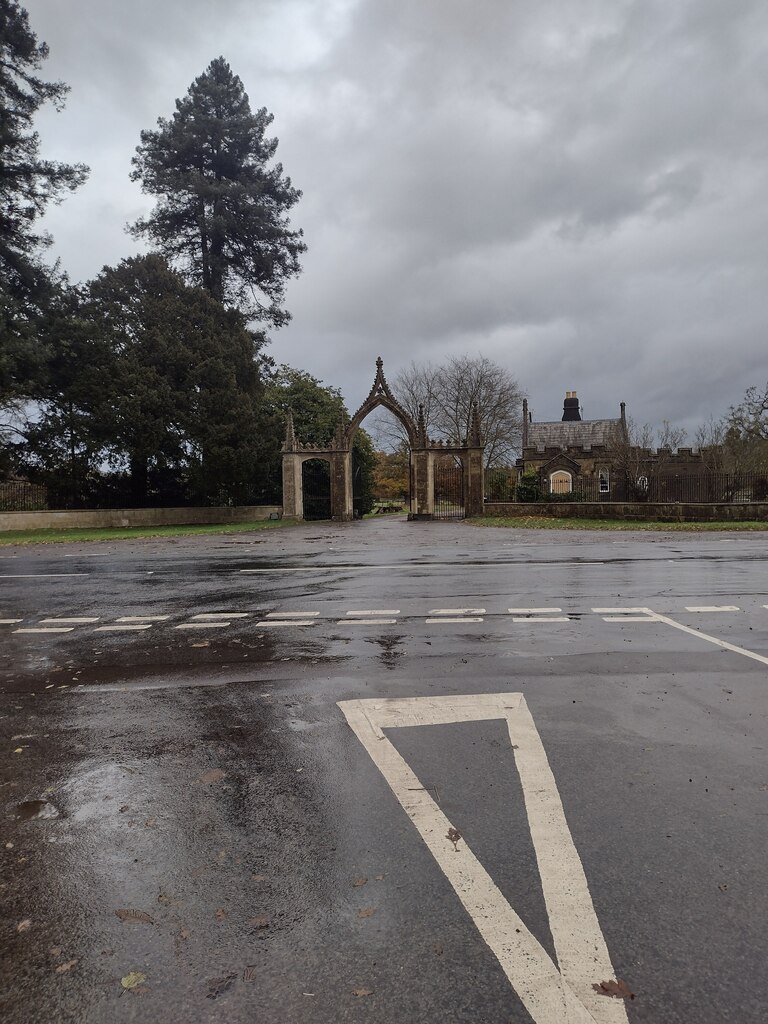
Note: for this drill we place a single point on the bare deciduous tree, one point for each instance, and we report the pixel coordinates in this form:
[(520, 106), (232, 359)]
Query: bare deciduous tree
[(447, 394)]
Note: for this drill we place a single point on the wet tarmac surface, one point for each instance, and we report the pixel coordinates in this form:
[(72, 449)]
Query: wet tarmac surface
[(192, 831)]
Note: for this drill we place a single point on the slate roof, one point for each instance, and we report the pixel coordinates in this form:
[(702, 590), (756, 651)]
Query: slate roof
[(573, 434)]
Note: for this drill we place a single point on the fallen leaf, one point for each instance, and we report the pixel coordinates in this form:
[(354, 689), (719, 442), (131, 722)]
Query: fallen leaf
[(251, 973), (723, 887), (24, 926), (260, 922), (184, 933), (379, 878), (358, 882), (63, 968), (124, 808), (454, 835), (132, 979), (203, 643), (134, 915), (362, 992), (214, 775), (617, 989), (366, 912), (218, 986), (220, 914), (19, 750), (55, 950), (259, 878), (150, 822)]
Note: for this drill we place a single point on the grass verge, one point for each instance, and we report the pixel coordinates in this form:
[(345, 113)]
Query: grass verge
[(556, 523), (55, 536)]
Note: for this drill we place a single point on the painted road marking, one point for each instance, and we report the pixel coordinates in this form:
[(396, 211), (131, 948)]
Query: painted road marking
[(142, 618), (619, 611), (630, 618), (74, 621), (457, 611), (221, 615), (712, 608), (123, 627), (9, 622), (42, 575), (366, 622), (533, 611), (448, 620), (202, 625), (47, 629), (541, 618), (292, 615), (377, 611), (287, 622), (551, 994), (705, 636)]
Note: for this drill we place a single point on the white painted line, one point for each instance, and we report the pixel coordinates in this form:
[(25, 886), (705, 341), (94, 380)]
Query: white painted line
[(447, 620), (366, 622), (376, 611), (74, 621), (630, 618), (288, 622), (221, 615), (540, 618), (202, 625), (57, 629), (457, 611), (9, 622), (42, 575), (552, 994), (532, 611), (713, 608), (705, 636), (619, 611), (142, 618), (291, 615), (122, 628)]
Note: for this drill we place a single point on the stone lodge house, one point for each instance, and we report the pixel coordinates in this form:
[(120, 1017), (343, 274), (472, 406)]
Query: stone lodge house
[(572, 454)]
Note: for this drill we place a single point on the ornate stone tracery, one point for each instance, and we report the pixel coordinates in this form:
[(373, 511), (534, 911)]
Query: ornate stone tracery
[(424, 450)]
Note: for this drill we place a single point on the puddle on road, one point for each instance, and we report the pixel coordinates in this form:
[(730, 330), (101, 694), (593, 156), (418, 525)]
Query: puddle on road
[(31, 810)]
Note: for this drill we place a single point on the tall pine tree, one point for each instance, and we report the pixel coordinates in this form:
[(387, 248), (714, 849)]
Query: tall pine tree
[(222, 214)]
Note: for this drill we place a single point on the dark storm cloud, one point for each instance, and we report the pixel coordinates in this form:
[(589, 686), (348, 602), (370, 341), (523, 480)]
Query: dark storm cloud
[(576, 189)]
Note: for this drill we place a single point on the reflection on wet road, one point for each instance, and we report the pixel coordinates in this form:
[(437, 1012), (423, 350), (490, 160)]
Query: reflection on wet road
[(192, 830)]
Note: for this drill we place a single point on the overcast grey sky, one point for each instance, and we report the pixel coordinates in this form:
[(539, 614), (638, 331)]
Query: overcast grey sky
[(578, 189)]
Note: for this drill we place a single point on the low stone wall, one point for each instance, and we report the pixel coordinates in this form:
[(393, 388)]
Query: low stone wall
[(641, 511), (127, 517)]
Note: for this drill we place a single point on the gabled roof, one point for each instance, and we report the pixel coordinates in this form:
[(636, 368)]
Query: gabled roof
[(573, 434)]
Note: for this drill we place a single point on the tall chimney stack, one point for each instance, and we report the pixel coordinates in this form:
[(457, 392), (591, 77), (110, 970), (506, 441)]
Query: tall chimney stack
[(571, 408)]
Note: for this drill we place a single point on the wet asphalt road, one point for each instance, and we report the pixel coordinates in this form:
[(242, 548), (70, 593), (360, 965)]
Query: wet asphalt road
[(205, 780)]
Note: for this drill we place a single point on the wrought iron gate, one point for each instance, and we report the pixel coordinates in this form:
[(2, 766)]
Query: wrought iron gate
[(449, 488), (316, 488)]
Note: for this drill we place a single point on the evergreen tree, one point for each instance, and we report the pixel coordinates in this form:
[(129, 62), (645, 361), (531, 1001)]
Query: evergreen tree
[(221, 214), (28, 184)]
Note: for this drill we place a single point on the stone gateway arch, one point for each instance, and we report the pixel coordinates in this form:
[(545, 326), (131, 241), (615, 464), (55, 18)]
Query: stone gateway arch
[(424, 452)]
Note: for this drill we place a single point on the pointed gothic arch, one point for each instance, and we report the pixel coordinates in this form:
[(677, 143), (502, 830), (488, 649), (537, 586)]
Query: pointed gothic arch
[(424, 451)]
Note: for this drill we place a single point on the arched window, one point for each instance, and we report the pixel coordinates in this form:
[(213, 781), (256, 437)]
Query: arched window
[(560, 482)]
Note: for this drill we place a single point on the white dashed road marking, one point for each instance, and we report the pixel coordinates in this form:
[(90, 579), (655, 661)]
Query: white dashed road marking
[(221, 615), (533, 611), (142, 618), (292, 615), (366, 622), (713, 608), (46, 629), (9, 622), (287, 622), (457, 611), (376, 611), (630, 618), (123, 627), (74, 621), (445, 619), (43, 575), (540, 618)]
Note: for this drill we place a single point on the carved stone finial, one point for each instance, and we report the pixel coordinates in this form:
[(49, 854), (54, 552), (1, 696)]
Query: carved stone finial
[(475, 438), (289, 444)]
